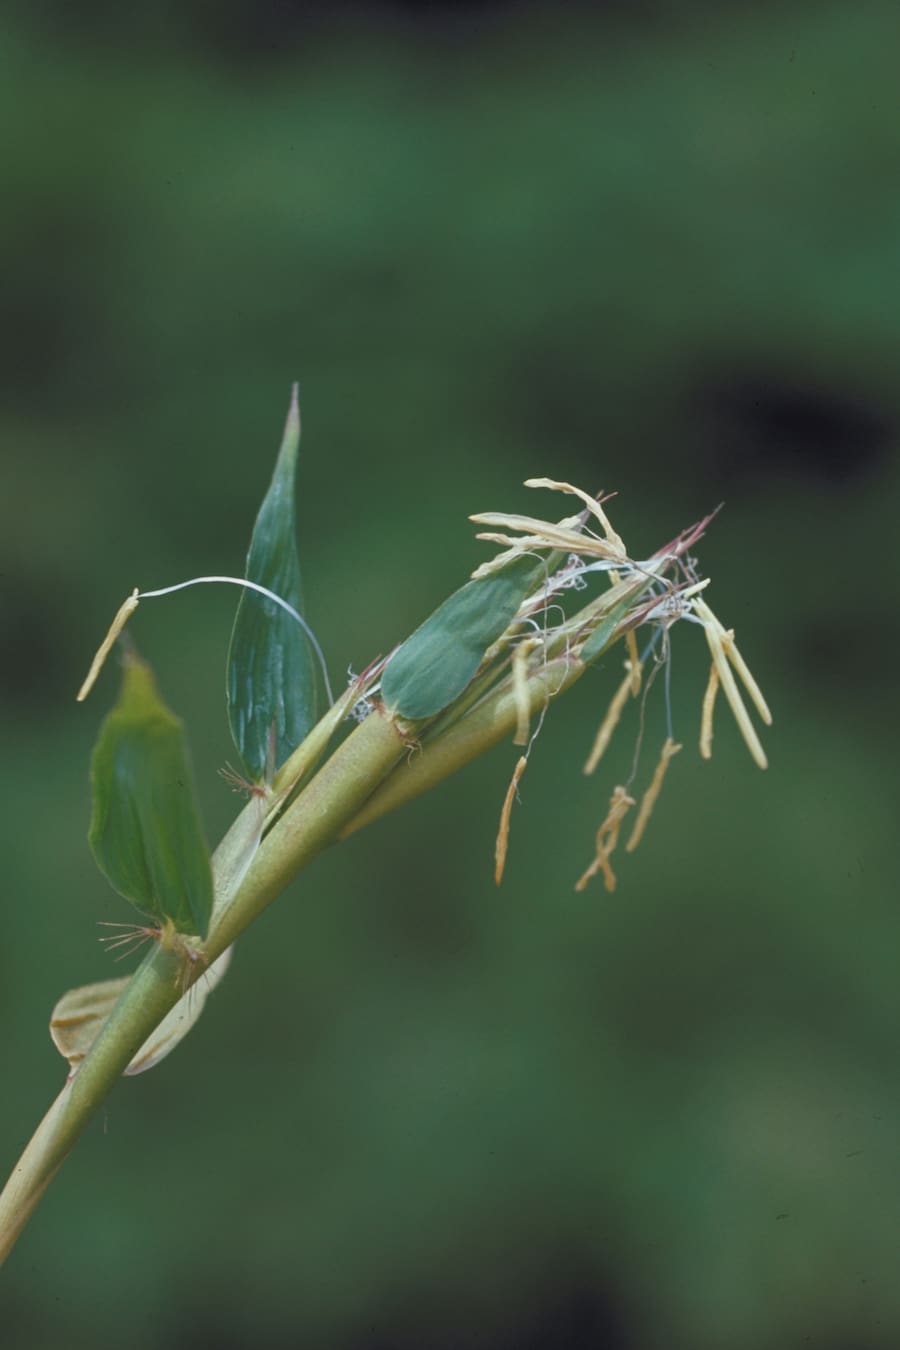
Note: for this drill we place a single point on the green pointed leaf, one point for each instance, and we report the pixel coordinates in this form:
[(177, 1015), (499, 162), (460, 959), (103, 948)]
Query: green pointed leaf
[(435, 664), (605, 631), (271, 678), (145, 827)]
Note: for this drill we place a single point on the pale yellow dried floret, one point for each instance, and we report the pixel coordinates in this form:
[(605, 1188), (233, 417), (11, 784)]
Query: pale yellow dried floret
[(502, 843), (648, 801)]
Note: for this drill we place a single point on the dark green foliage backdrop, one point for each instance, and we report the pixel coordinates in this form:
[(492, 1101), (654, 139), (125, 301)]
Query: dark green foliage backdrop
[(653, 258)]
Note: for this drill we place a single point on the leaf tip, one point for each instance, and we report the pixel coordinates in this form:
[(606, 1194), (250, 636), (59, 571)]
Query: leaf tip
[(292, 425)]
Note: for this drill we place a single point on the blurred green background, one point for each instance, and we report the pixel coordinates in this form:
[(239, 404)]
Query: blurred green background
[(645, 249)]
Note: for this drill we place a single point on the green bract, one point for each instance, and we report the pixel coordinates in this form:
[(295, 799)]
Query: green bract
[(271, 679), (145, 828), (435, 664), (605, 631)]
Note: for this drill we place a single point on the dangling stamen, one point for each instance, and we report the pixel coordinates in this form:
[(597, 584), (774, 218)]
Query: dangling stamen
[(610, 721), (620, 804), (706, 716), (607, 838), (648, 801), (715, 637), (749, 683), (503, 832)]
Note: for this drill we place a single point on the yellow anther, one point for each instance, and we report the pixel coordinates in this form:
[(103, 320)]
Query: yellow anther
[(503, 832), (716, 637), (749, 683), (706, 716), (607, 838), (610, 722), (124, 612), (648, 801)]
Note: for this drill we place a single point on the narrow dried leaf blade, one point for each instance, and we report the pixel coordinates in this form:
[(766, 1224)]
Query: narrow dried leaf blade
[(79, 1015), (271, 674), (182, 1018), (436, 663), (145, 830)]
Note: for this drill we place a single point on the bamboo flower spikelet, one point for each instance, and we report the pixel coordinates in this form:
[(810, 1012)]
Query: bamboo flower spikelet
[(485, 667)]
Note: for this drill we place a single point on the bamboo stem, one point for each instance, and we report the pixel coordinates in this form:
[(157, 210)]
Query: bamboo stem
[(312, 821)]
